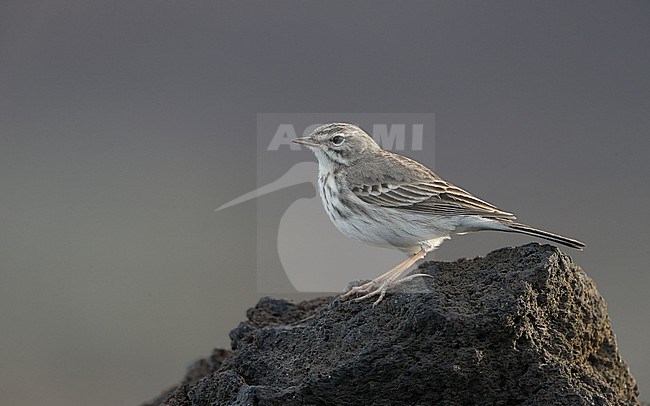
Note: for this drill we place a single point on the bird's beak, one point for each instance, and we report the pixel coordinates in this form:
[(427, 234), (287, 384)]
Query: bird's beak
[(308, 141)]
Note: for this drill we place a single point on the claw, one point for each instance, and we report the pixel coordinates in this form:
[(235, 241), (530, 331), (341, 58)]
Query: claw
[(380, 290), (387, 280), (363, 288), (381, 296), (369, 295), (411, 277)]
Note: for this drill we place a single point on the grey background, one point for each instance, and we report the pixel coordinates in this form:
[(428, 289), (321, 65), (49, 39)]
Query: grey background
[(124, 124)]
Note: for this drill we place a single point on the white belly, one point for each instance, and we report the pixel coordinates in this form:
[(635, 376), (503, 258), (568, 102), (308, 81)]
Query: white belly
[(380, 226)]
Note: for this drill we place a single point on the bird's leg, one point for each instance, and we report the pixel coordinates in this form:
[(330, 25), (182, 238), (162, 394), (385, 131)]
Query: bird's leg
[(390, 278)]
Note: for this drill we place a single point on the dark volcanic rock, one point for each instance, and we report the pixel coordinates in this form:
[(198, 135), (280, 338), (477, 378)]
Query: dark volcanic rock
[(201, 368), (520, 326)]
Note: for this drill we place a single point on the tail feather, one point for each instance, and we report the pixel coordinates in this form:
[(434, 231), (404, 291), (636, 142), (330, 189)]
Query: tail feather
[(524, 229)]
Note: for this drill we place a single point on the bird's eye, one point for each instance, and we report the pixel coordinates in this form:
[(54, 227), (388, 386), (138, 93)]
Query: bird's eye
[(337, 140)]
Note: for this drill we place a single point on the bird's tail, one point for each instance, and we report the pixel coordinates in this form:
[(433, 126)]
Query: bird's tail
[(524, 229)]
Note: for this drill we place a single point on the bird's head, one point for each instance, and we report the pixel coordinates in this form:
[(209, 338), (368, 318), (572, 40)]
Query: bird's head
[(340, 143)]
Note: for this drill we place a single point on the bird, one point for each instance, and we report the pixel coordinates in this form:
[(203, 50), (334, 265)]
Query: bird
[(388, 200)]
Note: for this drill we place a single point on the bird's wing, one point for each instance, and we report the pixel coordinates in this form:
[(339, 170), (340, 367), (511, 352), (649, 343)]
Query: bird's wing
[(423, 191)]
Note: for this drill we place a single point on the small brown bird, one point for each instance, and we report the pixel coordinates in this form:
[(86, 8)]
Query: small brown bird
[(388, 200)]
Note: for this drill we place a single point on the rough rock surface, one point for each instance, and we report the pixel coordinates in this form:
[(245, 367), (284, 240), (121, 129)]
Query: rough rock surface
[(196, 372), (519, 326)]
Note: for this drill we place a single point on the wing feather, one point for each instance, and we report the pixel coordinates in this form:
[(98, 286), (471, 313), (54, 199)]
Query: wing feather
[(413, 197), (422, 191)]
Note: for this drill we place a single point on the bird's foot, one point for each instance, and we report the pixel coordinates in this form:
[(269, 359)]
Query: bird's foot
[(379, 287), (361, 288)]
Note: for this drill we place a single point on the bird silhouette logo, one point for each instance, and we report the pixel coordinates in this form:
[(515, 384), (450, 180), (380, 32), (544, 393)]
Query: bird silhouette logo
[(298, 248)]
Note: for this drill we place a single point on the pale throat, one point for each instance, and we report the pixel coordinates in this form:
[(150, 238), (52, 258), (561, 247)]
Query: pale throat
[(328, 162)]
